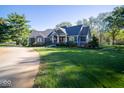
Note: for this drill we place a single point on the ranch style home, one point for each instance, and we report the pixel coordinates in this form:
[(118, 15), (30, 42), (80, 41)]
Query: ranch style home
[(79, 34)]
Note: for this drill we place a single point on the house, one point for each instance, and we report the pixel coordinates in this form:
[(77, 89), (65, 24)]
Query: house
[(80, 35)]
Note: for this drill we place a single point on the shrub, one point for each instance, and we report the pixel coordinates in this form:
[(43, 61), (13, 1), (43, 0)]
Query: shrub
[(37, 44), (93, 44), (120, 42), (61, 44), (71, 44), (24, 42)]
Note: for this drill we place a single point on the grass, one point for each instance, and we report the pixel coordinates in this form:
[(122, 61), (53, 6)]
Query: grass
[(7, 45), (80, 68)]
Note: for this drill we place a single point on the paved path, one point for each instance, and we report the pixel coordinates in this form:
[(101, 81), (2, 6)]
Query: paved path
[(18, 66)]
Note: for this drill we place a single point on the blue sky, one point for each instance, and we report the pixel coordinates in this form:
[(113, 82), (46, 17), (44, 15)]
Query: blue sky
[(43, 17)]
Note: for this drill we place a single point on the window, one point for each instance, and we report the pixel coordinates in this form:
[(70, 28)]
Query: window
[(75, 38), (82, 38), (32, 40), (39, 39), (71, 38)]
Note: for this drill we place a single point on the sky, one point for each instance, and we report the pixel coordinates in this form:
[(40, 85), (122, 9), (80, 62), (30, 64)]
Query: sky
[(43, 17)]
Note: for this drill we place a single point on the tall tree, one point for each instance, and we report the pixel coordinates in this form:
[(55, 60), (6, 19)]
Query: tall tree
[(92, 22), (64, 24), (115, 22), (4, 30), (19, 28), (85, 22), (101, 25), (79, 22)]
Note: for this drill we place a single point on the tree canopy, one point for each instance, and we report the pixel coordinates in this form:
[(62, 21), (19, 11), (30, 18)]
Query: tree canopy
[(64, 24), (15, 28), (115, 22), (4, 30), (19, 28)]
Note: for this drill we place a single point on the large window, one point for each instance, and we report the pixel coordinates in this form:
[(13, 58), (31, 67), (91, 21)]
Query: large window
[(82, 38), (73, 38), (39, 39)]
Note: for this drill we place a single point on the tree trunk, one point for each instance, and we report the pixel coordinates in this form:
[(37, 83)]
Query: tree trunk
[(100, 37), (113, 39)]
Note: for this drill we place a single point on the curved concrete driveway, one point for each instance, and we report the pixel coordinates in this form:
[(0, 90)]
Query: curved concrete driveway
[(18, 66)]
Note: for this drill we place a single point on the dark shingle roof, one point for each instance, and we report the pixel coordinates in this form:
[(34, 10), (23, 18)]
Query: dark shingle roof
[(74, 30), (41, 33), (85, 30), (46, 32)]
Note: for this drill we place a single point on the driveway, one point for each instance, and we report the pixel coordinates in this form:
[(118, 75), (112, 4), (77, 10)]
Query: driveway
[(18, 67)]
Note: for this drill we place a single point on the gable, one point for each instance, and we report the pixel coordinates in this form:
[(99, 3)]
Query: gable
[(77, 30), (34, 34), (60, 31), (74, 30), (53, 33), (84, 31), (44, 34)]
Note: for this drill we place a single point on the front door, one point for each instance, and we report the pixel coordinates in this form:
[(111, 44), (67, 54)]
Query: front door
[(55, 39), (61, 39)]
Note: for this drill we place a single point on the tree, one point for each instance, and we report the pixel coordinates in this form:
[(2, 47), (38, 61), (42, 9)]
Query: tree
[(79, 22), (93, 26), (4, 30), (120, 37), (94, 43), (101, 25), (85, 22), (112, 27), (19, 29), (2, 20), (119, 14), (92, 23), (115, 22), (64, 24)]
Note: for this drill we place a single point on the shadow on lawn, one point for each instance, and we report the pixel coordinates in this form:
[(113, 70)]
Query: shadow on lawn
[(81, 69)]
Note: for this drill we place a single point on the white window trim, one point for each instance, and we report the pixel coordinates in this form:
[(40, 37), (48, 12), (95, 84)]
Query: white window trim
[(39, 39)]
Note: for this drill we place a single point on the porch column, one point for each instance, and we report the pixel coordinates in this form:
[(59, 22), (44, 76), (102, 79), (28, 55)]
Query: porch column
[(52, 39), (57, 39), (66, 39), (78, 41)]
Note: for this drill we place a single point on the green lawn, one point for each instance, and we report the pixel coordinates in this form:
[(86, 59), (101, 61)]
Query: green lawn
[(7, 45), (64, 67)]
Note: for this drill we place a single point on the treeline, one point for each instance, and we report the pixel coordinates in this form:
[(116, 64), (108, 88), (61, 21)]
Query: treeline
[(14, 28), (107, 27)]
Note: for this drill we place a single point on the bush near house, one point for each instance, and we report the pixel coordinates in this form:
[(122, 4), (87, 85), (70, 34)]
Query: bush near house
[(68, 44), (62, 45), (37, 44), (71, 44), (93, 44)]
